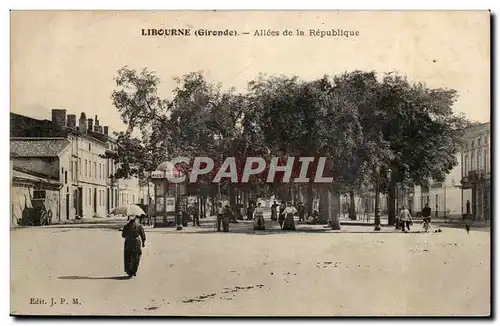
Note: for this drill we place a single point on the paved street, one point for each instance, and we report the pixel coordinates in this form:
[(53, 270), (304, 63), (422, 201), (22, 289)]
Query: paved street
[(200, 272)]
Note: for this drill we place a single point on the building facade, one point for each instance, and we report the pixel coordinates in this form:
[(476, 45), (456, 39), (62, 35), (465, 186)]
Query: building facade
[(476, 172), (88, 188)]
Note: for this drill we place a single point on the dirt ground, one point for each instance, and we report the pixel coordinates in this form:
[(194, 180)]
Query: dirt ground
[(199, 272)]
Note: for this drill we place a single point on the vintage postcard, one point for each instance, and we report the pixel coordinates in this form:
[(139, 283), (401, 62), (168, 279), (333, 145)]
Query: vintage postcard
[(250, 163)]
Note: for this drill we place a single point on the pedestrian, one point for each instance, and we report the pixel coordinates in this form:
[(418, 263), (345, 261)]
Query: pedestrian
[(405, 218), (226, 217), (314, 218), (289, 223), (258, 223), (301, 211), (281, 218), (220, 213), (398, 222), (196, 214), (237, 211), (250, 211), (135, 240), (274, 211)]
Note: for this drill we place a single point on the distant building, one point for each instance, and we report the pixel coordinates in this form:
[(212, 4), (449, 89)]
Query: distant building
[(444, 198), (476, 172)]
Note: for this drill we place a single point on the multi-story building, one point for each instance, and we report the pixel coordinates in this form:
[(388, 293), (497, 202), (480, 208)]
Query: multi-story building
[(85, 174), (476, 172), (444, 198)]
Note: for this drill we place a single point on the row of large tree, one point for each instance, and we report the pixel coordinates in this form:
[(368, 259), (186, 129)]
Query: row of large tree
[(376, 131)]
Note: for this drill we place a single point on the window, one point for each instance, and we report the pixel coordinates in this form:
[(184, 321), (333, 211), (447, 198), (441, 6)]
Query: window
[(65, 176), (472, 158), (62, 170), (95, 170), (90, 148), (486, 162), (479, 162), (89, 201), (80, 165), (466, 165), (479, 142), (100, 171), (86, 171)]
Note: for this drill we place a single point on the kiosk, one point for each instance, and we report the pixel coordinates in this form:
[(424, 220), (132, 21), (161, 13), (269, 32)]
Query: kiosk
[(169, 198)]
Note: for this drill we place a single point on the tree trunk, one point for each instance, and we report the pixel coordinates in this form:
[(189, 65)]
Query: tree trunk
[(334, 209), (149, 201), (352, 206), (202, 206), (377, 207), (310, 199), (232, 197), (391, 205), (296, 198), (214, 205), (324, 205)]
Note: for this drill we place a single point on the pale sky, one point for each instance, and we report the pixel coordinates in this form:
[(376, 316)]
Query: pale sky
[(69, 59)]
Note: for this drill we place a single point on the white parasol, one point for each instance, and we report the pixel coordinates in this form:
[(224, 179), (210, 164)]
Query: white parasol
[(127, 210)]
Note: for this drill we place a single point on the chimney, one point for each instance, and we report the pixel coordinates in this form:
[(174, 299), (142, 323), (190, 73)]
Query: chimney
[(106, 130), (82, 123), (98, 129), (90, 125), (72, 121), (59, 117), (96, 121)]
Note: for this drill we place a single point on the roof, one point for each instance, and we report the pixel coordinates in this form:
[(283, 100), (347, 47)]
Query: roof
[(37, 147), (23, 126)]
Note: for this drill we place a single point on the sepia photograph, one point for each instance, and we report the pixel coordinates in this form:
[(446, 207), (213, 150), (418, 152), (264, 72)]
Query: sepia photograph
[(250, 163)]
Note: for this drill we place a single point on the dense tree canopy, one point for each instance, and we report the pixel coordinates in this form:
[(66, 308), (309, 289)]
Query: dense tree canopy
[(363, 123)]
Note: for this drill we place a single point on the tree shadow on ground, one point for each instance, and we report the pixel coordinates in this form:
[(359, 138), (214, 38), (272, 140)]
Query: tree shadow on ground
[(116, 278)]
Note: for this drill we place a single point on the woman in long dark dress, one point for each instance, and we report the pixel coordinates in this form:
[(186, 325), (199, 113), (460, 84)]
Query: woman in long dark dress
[(281, 218), (274, 211), (135, 240)]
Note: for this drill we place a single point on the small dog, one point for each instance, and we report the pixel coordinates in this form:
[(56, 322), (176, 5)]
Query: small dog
[(467, 228)]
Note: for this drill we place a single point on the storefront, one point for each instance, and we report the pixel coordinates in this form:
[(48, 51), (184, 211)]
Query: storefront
[(480, 184)]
